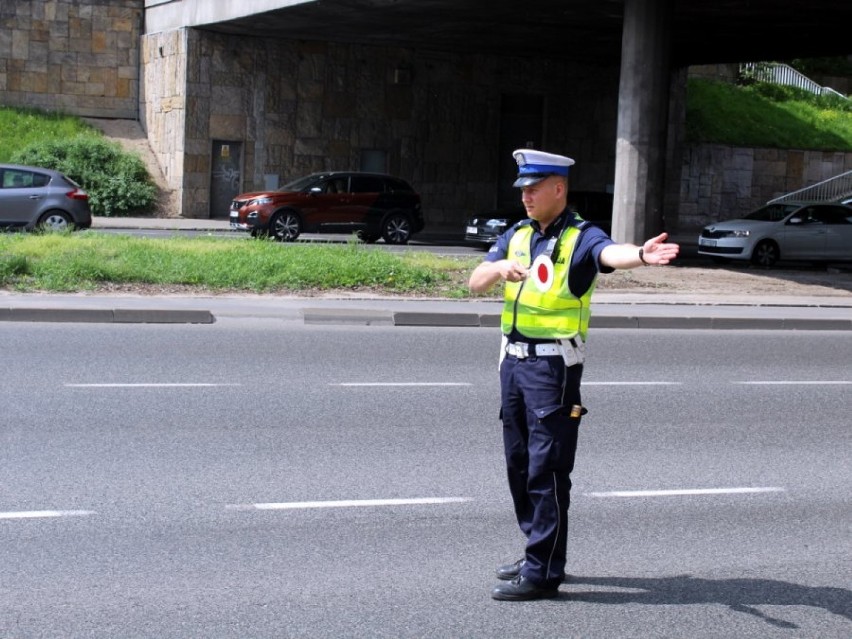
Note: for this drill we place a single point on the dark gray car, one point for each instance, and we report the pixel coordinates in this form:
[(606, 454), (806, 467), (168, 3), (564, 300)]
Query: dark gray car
[(32, 197)]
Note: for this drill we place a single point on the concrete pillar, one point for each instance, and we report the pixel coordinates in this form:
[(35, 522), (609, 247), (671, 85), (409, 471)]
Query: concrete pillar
[(642, 114)]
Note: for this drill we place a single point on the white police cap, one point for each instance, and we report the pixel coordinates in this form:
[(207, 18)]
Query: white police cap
[(534, 166)]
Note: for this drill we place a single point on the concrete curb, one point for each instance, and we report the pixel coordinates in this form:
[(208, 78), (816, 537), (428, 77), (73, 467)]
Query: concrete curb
[(106, 316), (721, 323), (480, 320), (368, 317)]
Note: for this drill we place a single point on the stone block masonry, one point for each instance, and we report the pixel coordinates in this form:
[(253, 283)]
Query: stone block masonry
[(720, 182), (76, 56)]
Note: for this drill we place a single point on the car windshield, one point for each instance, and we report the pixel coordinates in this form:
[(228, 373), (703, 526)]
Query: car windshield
[(772, 212), (301, 184)]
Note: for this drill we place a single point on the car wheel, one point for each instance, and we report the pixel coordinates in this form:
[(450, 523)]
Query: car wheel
[(285, 226), (765, 253), (396, 229), (55, 221), (369, 238)]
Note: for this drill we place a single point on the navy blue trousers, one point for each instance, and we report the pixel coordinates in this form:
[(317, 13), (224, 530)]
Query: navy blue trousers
[(540, 440)]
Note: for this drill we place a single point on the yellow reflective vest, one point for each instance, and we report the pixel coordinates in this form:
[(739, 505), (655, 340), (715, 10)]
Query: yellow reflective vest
[(552, 314)]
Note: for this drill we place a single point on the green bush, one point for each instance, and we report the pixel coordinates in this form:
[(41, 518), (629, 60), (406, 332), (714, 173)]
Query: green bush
[(117, 182), (784, 93)]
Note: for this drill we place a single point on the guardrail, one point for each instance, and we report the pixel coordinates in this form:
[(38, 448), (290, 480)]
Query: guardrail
[(780, 73), (834, 188)]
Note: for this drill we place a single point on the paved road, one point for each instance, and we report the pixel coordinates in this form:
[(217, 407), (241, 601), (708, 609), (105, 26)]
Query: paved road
[(232, 480)]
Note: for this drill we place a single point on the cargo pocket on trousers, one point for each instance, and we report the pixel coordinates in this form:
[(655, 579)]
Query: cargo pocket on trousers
[(557, 436)]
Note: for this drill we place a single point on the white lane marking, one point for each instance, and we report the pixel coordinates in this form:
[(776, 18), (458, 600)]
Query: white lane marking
[(37, 514), (149, 385), (632, 383), (403, 384), (687, 491), (351, 503), (812, 382)]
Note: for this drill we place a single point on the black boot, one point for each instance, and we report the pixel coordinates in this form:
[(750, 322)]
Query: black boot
[(510, 571), (522, 589)]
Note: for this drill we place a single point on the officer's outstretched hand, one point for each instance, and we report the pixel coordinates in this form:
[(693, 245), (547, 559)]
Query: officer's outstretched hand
[(654, 252), (658, 252)]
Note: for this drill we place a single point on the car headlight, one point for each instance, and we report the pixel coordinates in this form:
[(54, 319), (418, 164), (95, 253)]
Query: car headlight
[(738, 233), (496, 224), (261, 200)]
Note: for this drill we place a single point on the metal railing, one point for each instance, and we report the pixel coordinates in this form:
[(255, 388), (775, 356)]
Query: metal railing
[(832, 189), (780, 73)]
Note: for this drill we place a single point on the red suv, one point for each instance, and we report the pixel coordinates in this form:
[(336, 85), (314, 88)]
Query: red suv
[(372, 205)]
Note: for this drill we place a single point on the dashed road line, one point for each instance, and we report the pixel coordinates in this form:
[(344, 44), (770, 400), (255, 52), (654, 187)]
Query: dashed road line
[(687, 491), (350, 503), (402, 384), (150, 385), (44, 514), (632, 383), (795, 383), (416, 501)]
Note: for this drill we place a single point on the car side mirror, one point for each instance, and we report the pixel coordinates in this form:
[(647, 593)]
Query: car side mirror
[(795, 220), (315, 190)]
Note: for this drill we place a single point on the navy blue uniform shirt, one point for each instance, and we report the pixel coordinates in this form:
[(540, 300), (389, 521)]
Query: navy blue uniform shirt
[(585, 262)]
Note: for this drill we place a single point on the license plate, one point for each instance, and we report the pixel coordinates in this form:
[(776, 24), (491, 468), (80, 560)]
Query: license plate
[(704, 242), (472, 230)]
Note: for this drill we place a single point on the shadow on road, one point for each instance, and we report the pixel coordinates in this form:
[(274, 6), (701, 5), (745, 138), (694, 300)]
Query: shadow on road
[(740, 595)]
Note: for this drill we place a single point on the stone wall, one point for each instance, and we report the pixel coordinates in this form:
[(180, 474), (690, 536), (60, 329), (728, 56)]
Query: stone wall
[(303, 106), (76, 56), (720, 182), (162, 108)]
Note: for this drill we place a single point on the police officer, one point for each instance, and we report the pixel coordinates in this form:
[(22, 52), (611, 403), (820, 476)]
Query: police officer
[(549, 263)]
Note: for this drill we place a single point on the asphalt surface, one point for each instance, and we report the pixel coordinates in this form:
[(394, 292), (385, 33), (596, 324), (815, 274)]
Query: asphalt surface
[(257, 478), (609, 310)]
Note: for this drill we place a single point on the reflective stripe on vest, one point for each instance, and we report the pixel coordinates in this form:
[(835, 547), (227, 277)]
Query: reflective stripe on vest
[(555, 314)]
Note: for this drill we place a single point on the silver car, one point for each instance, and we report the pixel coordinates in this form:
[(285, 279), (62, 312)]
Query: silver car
[(32, 197), (805, 231)]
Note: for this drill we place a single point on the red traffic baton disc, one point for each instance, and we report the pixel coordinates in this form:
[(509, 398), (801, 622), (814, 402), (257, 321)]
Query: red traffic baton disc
[(541, 272)]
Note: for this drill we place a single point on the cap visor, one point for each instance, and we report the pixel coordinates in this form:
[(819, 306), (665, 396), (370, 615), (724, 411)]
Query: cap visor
[(529, 181)]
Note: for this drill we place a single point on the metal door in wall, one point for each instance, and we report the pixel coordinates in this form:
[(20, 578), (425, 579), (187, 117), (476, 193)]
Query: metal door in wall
[(521, 126), (226, 171)]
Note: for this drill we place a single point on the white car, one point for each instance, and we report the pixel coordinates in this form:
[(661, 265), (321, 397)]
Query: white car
[(805, 231)]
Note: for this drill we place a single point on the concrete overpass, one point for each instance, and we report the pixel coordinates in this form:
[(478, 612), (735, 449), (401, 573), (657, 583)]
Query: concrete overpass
[(701, 32), (646, 41)]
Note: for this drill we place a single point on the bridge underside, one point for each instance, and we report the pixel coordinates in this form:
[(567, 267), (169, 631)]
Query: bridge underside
[(702, 32)]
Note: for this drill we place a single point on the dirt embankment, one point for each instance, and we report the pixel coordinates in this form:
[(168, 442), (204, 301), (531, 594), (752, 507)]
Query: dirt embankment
[(741, 281), (131, 137)]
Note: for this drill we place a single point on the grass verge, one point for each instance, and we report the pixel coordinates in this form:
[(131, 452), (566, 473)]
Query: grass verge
[(20, 128), (764, 115), (70, 262)]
